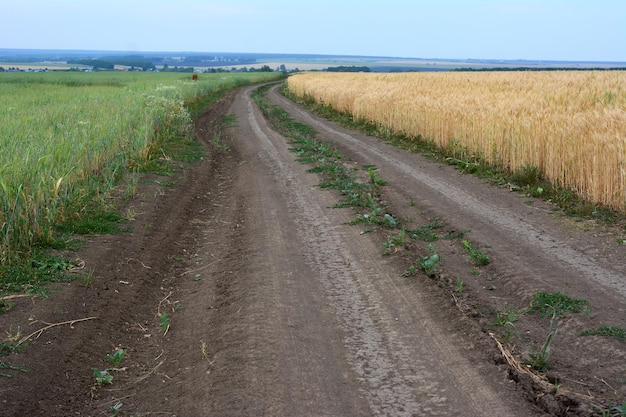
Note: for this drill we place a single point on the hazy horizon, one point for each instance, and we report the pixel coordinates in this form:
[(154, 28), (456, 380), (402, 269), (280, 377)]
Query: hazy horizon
[(532, 30)]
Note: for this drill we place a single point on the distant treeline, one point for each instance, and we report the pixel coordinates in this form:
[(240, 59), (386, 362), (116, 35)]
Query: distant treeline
[(348, 69), (469, 69), (109, 63)]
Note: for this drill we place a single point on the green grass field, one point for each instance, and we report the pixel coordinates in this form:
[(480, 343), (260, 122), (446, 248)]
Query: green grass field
[(65, 137)]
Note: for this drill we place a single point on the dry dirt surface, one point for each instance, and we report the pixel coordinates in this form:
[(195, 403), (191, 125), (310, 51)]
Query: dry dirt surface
[(277, 307)]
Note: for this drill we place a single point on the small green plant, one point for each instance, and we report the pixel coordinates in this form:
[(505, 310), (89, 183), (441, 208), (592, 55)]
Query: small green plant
[(6, 365), (612, 410), (410, 271), (116, 357), (6, 306), (164, 322), (618, 333), (479, 258), (506, 318), (389, 220), (526, 176), (114, 409), (371, 217), (389, 248), (87, 280), (374, 178), (218, 142), (430, 262), (8, 347), (103, 377), (411, 202), (426, 232), (548, 304), (539, 360), (459, 285), (393, 241), (399, 239)]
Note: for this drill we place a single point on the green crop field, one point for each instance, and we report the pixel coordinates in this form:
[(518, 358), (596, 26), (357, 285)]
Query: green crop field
[(62, 133)]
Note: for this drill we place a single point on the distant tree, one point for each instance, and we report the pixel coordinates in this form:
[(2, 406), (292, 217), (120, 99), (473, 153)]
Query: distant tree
[(264, 68), (348, 69)]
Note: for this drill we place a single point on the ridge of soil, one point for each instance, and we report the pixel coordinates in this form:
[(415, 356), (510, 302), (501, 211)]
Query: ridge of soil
[(276, 307)]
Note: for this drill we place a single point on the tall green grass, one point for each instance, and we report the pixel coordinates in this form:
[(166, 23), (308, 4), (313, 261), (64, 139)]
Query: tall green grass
[(65, 137)]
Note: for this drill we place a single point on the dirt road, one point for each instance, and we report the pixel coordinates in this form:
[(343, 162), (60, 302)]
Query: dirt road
[(277, 307)]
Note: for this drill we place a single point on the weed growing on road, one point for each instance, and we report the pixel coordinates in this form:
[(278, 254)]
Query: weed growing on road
[(426, 232), (5, 365), (6, 306), (506, 318), (460, 285), (328, 162), (164, 322), (477, 256), (510, 315), (116, 357), (87, 280), (557, 304), (429, 263), (374, 178), (538, 360), (612, 410), (103, 377), (114, 409), (393, 241), (410, 271), (618, 333)]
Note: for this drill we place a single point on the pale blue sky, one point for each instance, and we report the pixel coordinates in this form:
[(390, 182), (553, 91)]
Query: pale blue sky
[(571, 30)]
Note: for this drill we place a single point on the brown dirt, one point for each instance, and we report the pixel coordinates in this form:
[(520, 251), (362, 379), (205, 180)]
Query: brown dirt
[(279, 308)]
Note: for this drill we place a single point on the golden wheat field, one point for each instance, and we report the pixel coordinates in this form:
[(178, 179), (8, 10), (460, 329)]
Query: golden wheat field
[(571, 125)]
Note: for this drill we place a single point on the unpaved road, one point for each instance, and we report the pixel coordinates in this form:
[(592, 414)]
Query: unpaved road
[(277, 307)]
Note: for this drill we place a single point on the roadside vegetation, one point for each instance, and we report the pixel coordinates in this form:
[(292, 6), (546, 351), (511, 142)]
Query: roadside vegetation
[(542, 134), (70, 141)]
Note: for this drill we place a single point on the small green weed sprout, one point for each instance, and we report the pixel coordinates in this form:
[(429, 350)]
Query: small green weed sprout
[(612, 410), (618, 333), (479, 258), (426, 232), (430, 262), (459, 285), (510, 315), (114, 409), (6, 365), (103, 377), (393, 241), (389, 248), (164, 322), (539, 360), (86, 281), (374, 178), (410, 271), (506, 318), (116, 357), (389, 220)]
